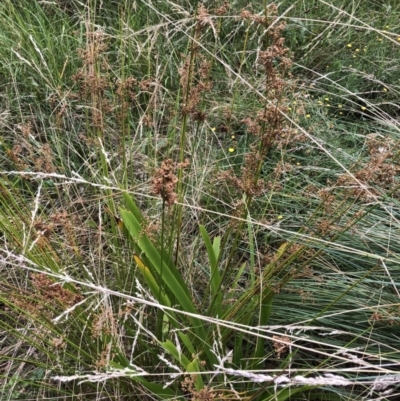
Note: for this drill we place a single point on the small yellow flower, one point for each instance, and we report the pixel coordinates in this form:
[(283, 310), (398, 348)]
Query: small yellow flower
[(308, 115), (231, 150), (340, 106), (349, 45), (289, 108), (319, 102), (340, 112), (233, 137), (379, 39), (327, 99), (280, 217), (363, 108), (354, 56), (387, 26), (398, 38), (298, 164), (385, 89), (357, 50)]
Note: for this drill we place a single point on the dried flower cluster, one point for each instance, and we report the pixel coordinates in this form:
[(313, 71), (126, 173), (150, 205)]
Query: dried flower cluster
[(92, 78), (205, 394), (195, 71), (25, 155), (269, 124), (281, 344), (193, 93), (165, 180), (379, 173), (126, 93), (53, 293)]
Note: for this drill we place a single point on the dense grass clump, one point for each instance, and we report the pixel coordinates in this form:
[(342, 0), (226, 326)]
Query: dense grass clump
[(199, 200)]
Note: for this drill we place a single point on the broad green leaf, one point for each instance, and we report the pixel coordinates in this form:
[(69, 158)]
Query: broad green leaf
[(178, 356), (194, 367), (213, 251), (168, 273), (151, 282)]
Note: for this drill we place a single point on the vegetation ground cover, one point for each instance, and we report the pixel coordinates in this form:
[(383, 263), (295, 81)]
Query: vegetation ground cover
[(199, 200)]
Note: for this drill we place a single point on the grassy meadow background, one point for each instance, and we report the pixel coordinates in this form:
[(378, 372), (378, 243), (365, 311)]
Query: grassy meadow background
[(199, 200)]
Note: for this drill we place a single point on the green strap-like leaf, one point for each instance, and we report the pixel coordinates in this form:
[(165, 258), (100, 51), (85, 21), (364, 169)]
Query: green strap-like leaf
[(213, 254), (168, 273)]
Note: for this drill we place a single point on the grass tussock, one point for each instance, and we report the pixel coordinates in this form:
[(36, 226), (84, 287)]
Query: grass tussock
[(199, 200)]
